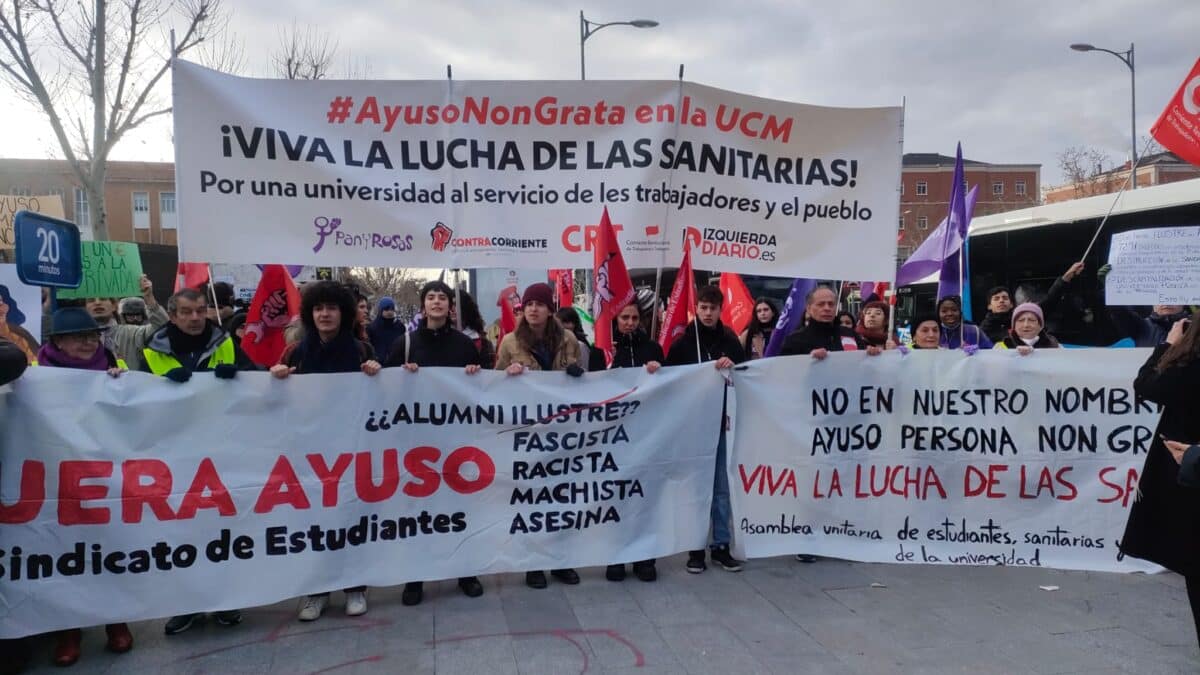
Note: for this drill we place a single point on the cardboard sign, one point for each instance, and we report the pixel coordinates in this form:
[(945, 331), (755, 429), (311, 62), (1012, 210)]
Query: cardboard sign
[(111, 269), (47, 205)]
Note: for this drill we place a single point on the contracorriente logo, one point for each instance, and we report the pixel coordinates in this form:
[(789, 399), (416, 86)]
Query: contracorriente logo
[(325, 227), (441, 236)]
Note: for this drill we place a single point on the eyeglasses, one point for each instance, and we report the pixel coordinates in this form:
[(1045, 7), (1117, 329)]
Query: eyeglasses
[(83, 337)]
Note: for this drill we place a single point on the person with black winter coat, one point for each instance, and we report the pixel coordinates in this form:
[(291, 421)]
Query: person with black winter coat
[(633, 348), (1164, 522), (822, 334), (436, 344), (997, 323), (716, 341), (329, 313), (707, 339), (12, 362), (591, 359), (386, 328)]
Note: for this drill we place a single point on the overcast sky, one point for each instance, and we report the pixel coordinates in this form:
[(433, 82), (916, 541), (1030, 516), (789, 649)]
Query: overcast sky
[(995, 74)]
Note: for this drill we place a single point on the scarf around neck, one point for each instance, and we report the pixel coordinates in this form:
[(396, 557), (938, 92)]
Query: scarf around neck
[(50, 355)]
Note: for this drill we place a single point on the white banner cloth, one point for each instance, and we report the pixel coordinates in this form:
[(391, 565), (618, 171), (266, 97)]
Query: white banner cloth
[(137, 497), (939, 457), (446, 174)]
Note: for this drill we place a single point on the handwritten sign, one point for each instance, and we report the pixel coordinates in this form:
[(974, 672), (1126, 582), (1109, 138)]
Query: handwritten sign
[(111, 269), (47, 205), (1159, 266)]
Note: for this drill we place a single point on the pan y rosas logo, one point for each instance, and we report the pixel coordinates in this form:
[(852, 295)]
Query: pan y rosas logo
[(330, 230)]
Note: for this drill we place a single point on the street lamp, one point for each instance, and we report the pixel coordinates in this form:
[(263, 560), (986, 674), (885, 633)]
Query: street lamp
[(1127, 59), (587, 28)]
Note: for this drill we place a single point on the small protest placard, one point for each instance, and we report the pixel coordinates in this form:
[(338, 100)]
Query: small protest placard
[(47, 205), (111, 269), (1159, 266)]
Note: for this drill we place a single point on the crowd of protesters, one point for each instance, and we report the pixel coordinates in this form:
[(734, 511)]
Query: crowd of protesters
[(336, 334)]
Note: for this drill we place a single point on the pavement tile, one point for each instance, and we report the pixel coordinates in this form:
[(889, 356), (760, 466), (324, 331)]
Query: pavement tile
[(777, 616)]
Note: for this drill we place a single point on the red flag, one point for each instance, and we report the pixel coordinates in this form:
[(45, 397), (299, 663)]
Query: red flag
[(612, 286), (868, 288), (738, 308), (507, 302), (190, 275), (276, 303), (563, 281), (681, 303), (1178, 128)]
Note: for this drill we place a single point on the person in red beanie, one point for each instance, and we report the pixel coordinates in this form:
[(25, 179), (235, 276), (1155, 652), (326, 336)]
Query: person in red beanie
[(540, 343)]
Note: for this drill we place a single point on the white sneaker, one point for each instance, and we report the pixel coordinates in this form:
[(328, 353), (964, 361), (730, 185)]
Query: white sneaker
[(313, 605), (356, 603)]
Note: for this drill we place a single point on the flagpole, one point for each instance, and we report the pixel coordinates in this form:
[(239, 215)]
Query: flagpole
[(899, 189), (1132, 173), (666, 219), (212, 290), (457, 296)]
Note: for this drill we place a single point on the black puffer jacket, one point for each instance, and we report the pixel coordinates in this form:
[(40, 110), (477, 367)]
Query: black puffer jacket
[(1164, 522), (817, 335), (435, 347), (715, 342), (635, 349), (12, 362)]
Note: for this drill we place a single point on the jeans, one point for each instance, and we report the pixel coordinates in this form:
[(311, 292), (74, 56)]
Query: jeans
[(721, 512)]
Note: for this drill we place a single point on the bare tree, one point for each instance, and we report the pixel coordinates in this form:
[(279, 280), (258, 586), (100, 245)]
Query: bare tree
[(1150, 146), (398, 283), (304, 54), (1089, 170), (101, 62)]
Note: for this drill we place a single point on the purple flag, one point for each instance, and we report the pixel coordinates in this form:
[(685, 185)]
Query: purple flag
[(953, 266), (928, 257), (790, 317), (292, 270)]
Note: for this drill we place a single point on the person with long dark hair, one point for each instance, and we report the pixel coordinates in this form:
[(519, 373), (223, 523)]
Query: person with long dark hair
[(633, 348), (474, 328), (757, 335), (540, 343), (590, 358), (1164, 522), (331, 344)]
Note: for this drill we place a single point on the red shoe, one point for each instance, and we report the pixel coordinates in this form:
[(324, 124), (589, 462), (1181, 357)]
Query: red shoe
[(120, 640), (67, 650)]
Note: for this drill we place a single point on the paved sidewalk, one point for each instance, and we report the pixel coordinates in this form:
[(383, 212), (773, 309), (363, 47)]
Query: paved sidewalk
[(777, 616)]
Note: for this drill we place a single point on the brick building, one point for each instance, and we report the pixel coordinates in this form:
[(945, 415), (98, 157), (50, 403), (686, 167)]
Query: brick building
[(1157, 169), (139, 196), (925, 192)]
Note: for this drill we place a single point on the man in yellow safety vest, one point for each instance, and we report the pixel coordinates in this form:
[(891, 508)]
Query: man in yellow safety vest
[(191, 343)]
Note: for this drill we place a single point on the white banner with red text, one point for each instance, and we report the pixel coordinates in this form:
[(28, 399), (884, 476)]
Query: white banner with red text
[(940, 457), (445, 173), (133, 498)]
